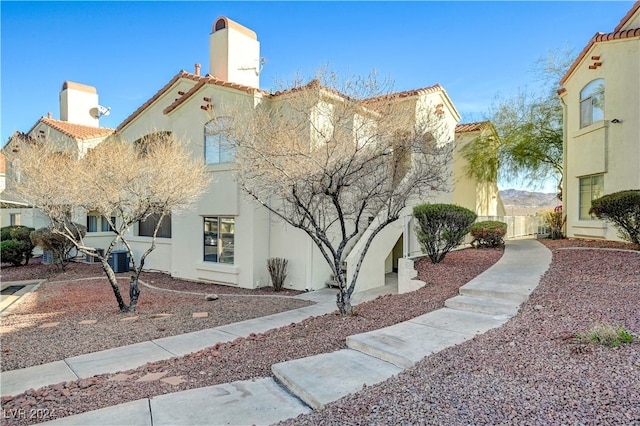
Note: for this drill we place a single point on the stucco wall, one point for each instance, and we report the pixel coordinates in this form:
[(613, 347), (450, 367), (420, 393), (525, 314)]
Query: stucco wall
[(611, 149)]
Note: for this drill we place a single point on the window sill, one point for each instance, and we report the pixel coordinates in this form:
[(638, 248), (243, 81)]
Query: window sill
[(218, 267), (99, 234), (219, 167), (591, 128), (143, 239), (586, 223)]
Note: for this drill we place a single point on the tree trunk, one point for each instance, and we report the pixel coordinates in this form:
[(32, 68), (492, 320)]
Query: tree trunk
[(114, 285), (134, 293), (343, 300)]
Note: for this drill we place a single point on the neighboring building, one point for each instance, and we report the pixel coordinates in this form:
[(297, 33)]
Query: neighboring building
[(227, 238), (77, 131), (601, 98), (481, 197)]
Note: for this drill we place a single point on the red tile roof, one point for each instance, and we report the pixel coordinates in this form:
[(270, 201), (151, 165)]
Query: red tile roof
[(617, 34), (76, 131), (165, 88), (208, 79), (470, 127), (408, 93)]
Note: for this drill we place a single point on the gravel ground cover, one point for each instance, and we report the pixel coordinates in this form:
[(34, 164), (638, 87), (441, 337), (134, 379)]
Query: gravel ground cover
[(82, 293), (532, 370), (252, 357)]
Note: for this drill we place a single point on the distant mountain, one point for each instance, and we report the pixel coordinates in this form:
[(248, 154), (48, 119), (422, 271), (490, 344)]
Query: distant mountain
[(527, 202)]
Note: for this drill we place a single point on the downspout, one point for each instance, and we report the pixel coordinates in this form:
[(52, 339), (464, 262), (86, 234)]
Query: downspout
[(565, 175), (405, 236)]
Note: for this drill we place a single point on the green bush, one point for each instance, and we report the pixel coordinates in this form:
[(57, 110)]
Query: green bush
[(5, 232), (622, 209), (489, 233), (16, 247), (441, 227), (11, 252), (57, 244)]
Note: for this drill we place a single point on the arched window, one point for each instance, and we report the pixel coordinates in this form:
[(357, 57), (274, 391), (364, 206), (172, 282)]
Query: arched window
[(145, 143), (592, 103), (218, 148)]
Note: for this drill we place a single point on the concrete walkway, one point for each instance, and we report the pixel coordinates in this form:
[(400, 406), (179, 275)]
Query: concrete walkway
[(489, 301), (132, 356)]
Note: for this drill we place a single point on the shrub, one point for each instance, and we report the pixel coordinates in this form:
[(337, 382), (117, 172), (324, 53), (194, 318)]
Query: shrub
[(489, 233), (606, 334), (622, 209), (441, 227), (11, 252), (555, 220), (57, 244), (277, 268), (17, 249), (5, 232)]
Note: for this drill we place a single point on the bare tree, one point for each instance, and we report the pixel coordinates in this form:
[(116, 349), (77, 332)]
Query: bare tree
[(528, 147), (328, 156), (129, 182)]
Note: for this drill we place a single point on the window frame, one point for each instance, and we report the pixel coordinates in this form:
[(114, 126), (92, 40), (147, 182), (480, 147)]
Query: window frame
[(216, 136), (591, 95), (147, 226), (15, 219), (583, 208), (213, 237)]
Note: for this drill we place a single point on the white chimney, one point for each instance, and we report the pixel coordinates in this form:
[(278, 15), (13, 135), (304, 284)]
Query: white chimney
[(234, 53), (76, 102)]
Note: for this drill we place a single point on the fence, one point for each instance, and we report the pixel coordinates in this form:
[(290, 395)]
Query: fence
[(517, 226)]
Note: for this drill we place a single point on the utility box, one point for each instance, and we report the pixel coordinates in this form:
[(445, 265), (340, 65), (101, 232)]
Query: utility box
[(47, 258), (91, 259), (119, 261)]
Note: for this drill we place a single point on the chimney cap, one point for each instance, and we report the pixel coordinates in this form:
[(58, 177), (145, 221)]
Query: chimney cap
[(77, 86), (223, 23)]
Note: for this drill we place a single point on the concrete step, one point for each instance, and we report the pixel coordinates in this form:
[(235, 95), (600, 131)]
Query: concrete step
[(257, 402), (405, 343), (464, 322), (484, 305), (516, 292), (321, 379)]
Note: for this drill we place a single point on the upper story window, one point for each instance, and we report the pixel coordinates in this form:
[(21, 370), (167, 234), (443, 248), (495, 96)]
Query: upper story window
[(145, 143), (592, 103), (217, 145)]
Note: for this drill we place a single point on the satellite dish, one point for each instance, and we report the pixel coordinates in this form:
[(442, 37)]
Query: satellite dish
[(99, 111)]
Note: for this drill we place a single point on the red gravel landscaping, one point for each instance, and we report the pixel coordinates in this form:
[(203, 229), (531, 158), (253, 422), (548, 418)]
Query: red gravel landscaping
[(252, 357)]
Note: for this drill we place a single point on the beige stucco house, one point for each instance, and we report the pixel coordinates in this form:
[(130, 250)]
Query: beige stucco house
[(227, 238), (601, 100), (77, 130)]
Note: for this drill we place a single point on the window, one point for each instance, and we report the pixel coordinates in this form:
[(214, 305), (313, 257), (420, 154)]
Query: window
[(591, 187), (14, 219), (592, 103), (219, 239), (15, 164), (92, 223), (98, 223), (146, 227), (217, 145), (322, 124), (105, 224), (145, 143)]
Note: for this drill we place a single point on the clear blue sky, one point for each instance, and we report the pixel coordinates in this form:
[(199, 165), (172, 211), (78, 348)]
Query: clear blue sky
[(129, 50)]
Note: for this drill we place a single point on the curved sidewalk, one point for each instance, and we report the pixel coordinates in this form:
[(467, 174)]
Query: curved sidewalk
[(488, 301)]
